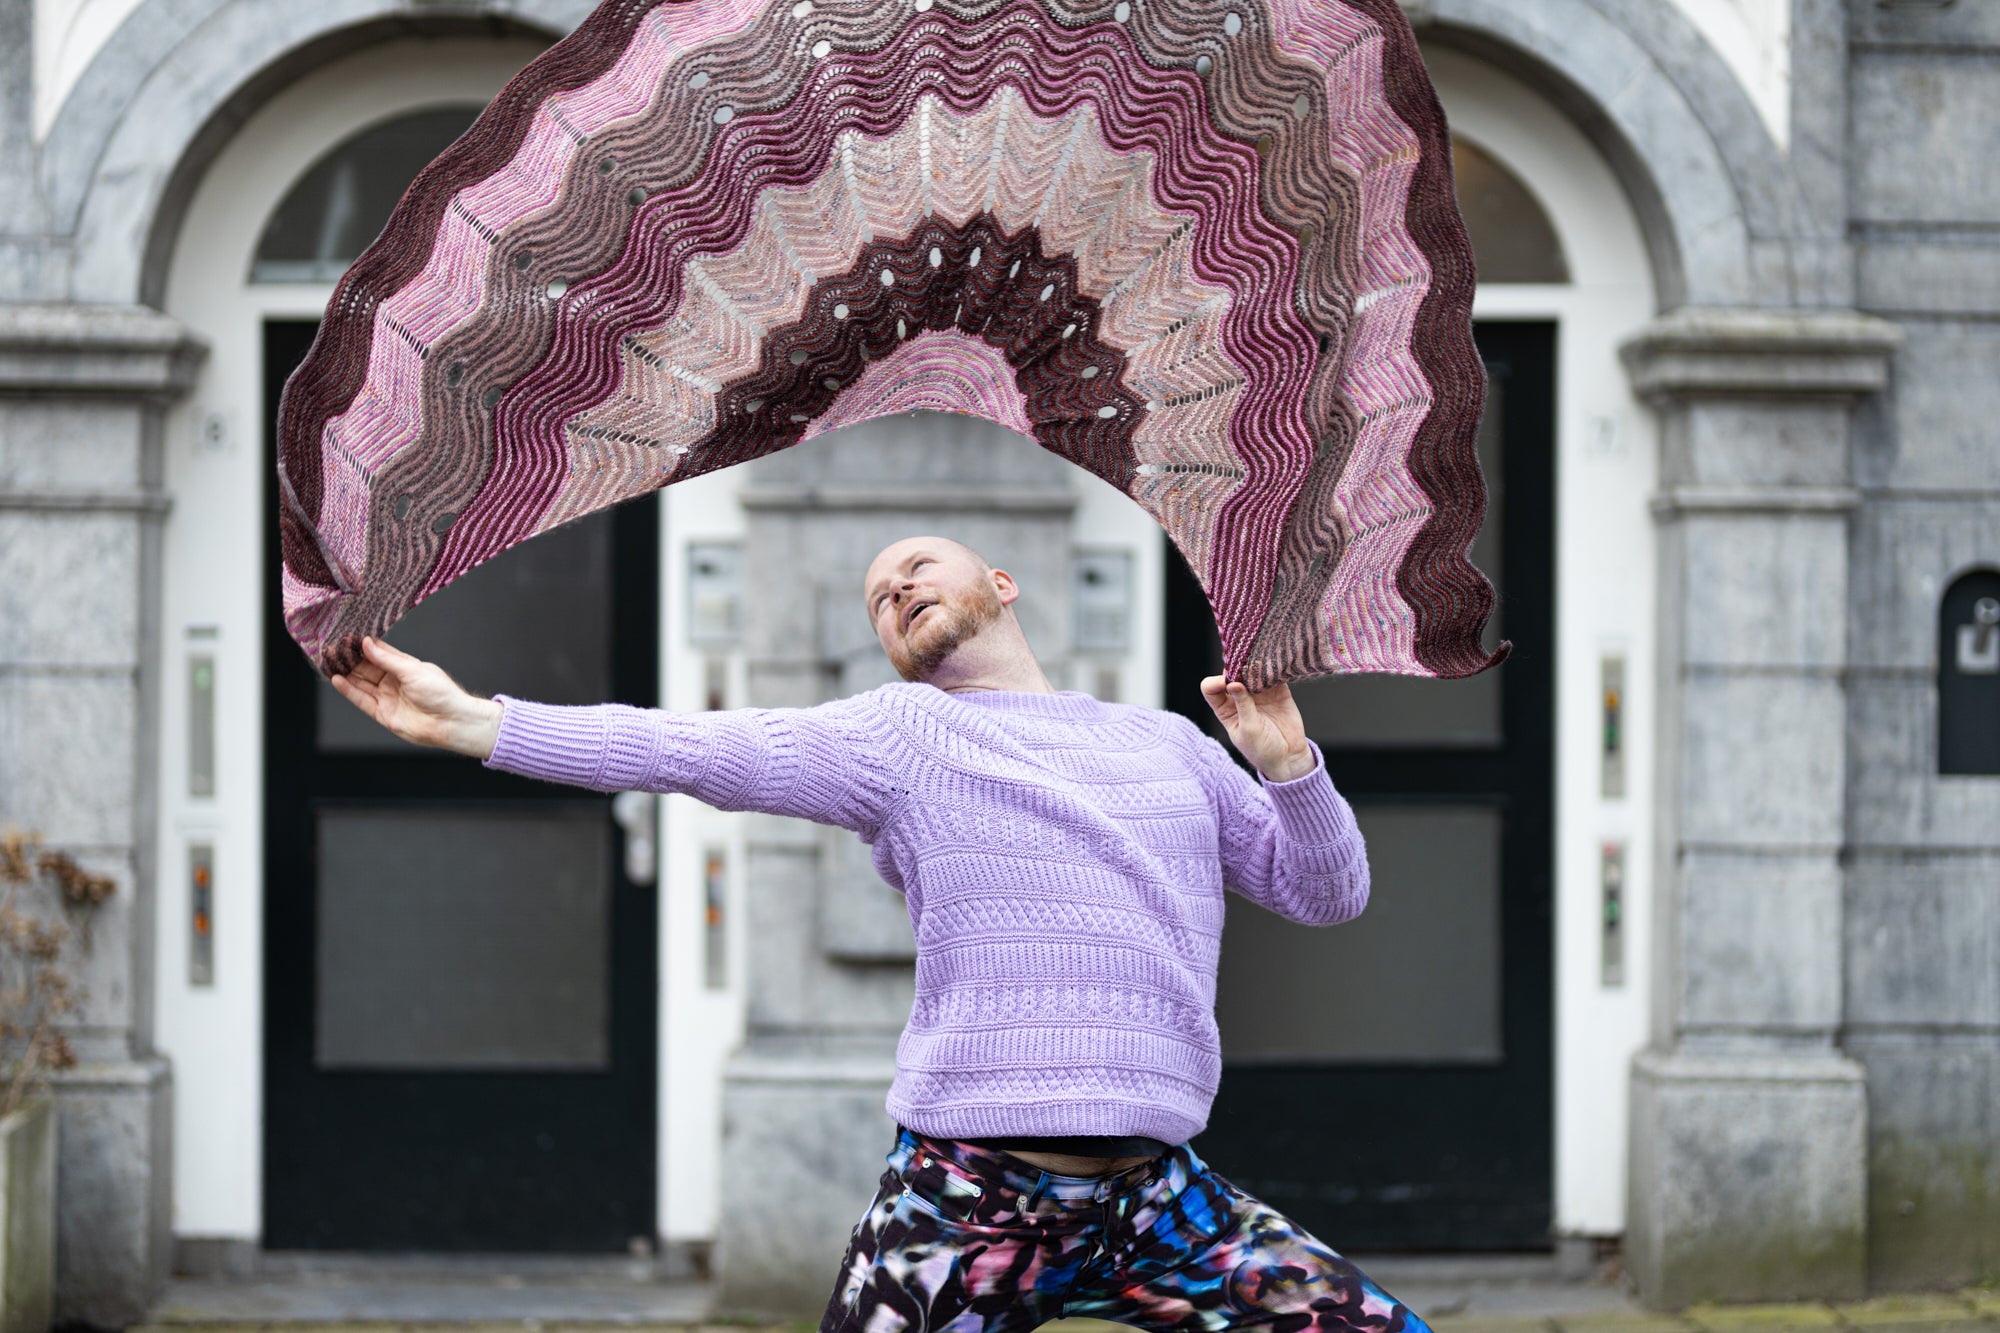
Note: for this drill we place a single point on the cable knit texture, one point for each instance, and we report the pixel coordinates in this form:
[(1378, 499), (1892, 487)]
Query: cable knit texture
[(1063, 860)]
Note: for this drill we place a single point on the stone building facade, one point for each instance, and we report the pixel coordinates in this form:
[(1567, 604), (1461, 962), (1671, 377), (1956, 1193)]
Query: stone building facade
[(1774, 505)]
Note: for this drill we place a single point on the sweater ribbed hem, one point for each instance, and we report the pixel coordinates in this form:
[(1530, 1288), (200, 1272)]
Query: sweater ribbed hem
[(549, 742), (1038, 1080), (604, 747), (1050, 1120), (1311, 811)]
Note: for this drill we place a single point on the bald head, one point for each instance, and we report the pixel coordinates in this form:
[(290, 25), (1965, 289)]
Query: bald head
[(941, 546), (928, 597)]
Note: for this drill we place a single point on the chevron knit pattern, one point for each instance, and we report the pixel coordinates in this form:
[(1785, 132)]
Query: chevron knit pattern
[(1206, 249), (1063, 861)]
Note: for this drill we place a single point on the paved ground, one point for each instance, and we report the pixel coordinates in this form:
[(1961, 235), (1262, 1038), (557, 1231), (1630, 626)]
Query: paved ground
[(1963, 1312), (319, 1292), (1481, 1294)]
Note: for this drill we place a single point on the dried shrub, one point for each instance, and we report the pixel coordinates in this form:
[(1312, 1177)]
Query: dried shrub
[(36, 988)]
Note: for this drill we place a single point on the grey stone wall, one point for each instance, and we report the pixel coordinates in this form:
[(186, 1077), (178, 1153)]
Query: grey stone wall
[(1922, 881), (81, 390)]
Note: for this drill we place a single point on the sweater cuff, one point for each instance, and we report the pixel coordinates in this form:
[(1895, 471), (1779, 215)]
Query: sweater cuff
[(606, 747), (1309, 808)]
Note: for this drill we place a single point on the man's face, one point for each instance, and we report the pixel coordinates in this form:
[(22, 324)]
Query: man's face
[(926, 596)]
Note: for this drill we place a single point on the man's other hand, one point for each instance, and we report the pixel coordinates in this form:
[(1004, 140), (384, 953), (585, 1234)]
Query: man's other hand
[(417, 701), (1265, 726)]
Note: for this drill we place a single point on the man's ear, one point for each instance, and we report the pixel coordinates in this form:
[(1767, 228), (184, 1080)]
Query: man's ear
[(1003, 584)]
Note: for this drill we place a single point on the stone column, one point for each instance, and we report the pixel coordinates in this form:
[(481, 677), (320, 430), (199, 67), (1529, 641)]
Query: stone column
[(1748, 1160), (82, 390), (22, 249), (830, 977)]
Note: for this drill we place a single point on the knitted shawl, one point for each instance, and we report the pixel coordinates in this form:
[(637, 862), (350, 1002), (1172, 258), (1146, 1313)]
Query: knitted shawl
[(1206, 249)]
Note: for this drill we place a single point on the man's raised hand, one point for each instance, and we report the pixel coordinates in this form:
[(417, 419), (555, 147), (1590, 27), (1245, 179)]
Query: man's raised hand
[(417, 701), (1265, 726)]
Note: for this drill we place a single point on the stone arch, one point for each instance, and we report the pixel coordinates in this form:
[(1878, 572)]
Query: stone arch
[(169, 87), (1713, 190)]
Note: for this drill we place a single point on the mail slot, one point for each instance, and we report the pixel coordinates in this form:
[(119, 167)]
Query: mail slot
[(1969, 675)]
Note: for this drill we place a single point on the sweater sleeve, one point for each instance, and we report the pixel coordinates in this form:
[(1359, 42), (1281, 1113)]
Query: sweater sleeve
[(834, 764), (1292, 847)]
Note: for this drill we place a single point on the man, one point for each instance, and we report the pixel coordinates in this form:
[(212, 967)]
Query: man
[(1064, 862)]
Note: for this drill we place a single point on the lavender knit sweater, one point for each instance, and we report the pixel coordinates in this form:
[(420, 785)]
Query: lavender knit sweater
[(1063, 861)]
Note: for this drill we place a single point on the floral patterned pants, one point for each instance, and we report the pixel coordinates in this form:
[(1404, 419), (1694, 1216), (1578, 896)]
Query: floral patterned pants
[(972, 1240)]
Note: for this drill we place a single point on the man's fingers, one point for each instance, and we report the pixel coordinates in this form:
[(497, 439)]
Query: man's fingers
[(387, 656), (1246, 702), (362, 696), (394, 664), (1274, 694)]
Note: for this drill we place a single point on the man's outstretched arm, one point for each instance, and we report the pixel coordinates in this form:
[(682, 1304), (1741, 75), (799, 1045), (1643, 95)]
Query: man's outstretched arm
[(1291, 843), (834, 764)]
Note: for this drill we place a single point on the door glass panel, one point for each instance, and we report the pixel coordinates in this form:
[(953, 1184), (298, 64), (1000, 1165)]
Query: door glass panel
[(344, 200), (1512, 237), (1415, 978), (534, 621), (463, 940), (1412, 710)]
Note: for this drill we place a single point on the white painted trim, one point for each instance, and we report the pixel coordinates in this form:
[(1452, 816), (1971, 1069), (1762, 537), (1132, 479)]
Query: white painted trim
[(1605, 602), (67, 34), (1754, 38), (699, 1027)]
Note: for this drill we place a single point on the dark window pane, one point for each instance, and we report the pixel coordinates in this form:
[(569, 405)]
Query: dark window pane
[(534, 622), (341, 204), (1512, 238), (463, 941), (1414, 979)]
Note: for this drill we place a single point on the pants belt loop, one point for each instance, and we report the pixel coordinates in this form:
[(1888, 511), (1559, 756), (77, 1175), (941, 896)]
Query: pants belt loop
[(1041, 1183)]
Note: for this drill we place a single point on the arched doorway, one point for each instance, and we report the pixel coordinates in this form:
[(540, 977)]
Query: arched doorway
[(356, 1059)]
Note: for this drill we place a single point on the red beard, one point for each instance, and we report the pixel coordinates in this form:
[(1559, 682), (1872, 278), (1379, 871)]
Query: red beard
[(944, 627)]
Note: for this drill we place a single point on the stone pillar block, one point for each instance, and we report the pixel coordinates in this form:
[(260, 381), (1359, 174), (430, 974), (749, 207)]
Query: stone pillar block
[(817, 990), (861, 919), (114, 1224), (804, 1135), (81, 390), (1766, 933), (1748, 1176), (1748, 1166), (1763, 760)]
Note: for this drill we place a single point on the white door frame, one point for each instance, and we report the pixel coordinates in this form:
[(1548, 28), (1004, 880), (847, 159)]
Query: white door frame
[(1606, 603)]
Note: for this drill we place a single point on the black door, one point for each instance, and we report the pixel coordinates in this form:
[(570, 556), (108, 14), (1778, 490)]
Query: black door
[(1389, 1083), (459, 981)]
